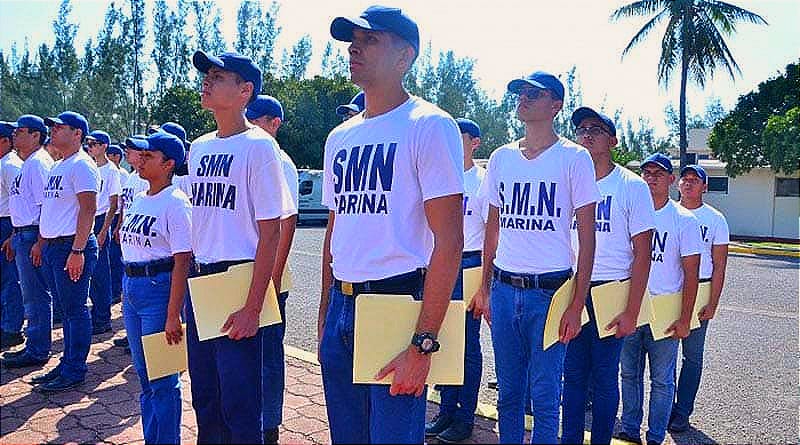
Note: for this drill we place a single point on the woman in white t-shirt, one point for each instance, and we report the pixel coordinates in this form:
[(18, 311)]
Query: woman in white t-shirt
[(156, 247)]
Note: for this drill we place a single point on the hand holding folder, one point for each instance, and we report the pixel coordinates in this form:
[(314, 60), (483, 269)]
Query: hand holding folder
[(703, 299), (558, 305), (162, 359), (610, 300), (471, 281), (666, 311)]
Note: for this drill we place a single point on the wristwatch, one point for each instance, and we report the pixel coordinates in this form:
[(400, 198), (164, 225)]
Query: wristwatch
[(76, 251), (425, 342)]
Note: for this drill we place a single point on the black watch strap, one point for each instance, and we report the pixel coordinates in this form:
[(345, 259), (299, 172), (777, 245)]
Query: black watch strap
[(425, 342)]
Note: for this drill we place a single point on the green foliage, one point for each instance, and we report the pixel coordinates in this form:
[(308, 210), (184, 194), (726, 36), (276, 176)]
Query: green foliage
[(297, 62), (257, 31), (182, 104), (782, 141)]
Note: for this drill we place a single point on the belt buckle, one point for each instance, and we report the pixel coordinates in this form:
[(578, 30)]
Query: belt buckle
[(347, 288), (518, 281)]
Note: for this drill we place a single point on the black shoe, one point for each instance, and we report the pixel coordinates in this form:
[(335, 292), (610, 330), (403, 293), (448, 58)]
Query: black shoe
[(121, 342), (492, 383), (47, 377), (457, 432), (678, 423), (59, 384), (622, 435), (117, 299), (437, 425), (653, 442), (97, 330), (271, 436), (11, 339), (21, 361), (17, 353), (57, 319)]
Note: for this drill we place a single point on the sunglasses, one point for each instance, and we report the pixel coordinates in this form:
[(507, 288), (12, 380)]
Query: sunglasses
[(532, 93), (93, 143), (592, 131)]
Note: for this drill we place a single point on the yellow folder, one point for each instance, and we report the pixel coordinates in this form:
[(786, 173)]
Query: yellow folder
[(471, 282), (703, 298), (610, 300), (384, 325), (666, 310), (558, 305), (216, 296), (161, 358)]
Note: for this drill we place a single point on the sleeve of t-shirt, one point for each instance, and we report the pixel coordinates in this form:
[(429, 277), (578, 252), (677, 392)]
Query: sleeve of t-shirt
[(267, 184), (691, 242), (440, 158), (583, 187), (641, 211), (327, 174), (179, 225), (722, 233), (36, 182), (115, 185), (290, 172), (488, 191), (85, 178)]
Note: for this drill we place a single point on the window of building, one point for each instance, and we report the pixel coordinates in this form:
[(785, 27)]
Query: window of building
[(787, 186), (306, 187), (718, 184)]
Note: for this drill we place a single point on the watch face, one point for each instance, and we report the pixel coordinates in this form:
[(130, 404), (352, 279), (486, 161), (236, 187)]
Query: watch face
[(427, 344)]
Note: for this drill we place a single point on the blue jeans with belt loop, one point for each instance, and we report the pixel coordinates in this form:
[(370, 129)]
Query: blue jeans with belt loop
[(36, 297), (10, 294), (273, 371), (360, 413), (145, 312), (100, 292), (460, 402), (518, 320)]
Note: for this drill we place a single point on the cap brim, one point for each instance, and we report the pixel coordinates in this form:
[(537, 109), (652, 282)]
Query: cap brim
[(516, 85), (341, 110), (342, 27), (137, 144), (691, 168), (253, 114), (203, 62), (656, 164), (50, 121), (584, 113)]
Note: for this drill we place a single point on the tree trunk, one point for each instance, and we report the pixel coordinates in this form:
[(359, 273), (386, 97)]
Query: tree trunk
[(683, 142)]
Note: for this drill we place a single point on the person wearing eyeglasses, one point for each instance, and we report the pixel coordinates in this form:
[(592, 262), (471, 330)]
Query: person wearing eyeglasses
[(623, 229), (12, 314), (107, 201), (534, 187)]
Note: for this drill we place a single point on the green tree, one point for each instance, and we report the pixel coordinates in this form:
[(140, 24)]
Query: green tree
[(334, 64), (136, 38), (782, 141), (573, 99), (207, 19), (162, 46), (181, 104), (66, 60), (693, 43), (180, 43), (297, 63), (256, 32)]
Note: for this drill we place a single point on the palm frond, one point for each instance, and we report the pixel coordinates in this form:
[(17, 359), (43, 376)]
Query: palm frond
[(670, 50), (733, 12), (638, 8), (642, 34)]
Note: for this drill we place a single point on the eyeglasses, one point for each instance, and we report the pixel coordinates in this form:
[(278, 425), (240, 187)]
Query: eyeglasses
[(532, 93), (93, 143), (592, 131)]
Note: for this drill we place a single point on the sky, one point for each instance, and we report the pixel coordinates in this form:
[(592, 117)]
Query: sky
[(507, 39)]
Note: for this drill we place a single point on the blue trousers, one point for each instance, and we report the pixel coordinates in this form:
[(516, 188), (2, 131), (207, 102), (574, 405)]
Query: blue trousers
[(360, 413), (36, 297), (273, 371), (72, 296), (662, 356), (145, 312), (115, 260), (591, 363), (460, 402), (100, 292), (226, 385), (692, 348), (522, 365), (10, 294)]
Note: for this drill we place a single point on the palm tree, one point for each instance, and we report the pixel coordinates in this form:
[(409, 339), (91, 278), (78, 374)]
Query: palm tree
[(694, 41)]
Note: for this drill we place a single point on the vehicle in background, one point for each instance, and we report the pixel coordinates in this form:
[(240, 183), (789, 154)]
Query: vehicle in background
[(311, 209)]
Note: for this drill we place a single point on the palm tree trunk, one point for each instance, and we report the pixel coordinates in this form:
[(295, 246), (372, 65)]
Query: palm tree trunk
[(683, 142)]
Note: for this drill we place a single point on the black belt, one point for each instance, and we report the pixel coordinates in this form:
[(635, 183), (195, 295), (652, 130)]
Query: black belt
[(407, 283), (30, 228), (704, 280), (149, 269), (220, 266), (61, 239), (530, 281), (470, 254)]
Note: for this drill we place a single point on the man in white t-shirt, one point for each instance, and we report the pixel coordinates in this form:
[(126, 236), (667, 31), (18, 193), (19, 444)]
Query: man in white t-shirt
[(355, 106), (713, 260), (115, 155), (675, 262), (107, 203), (239, 194), (11, 317), (266, 112), (70, 252), (393, 181), (624, 225), (534, 187), (25, 203)]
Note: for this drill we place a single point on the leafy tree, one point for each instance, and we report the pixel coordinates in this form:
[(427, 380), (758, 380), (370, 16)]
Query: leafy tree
[(181, 104), (207, 19), (162, 48), (256, 32), (136, 37), (573, 99), (180, 43), (66, 60), (334, 63), (297, 63), (782, 141)]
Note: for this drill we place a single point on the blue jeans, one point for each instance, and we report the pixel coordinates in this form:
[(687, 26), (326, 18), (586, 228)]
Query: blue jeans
[(662, 356), (692, 348), (460, 402), (226, 385), (145, 312), (359, 413), (10, 294), (100, 292), (273, 371), (36, 297), (518, 319), (115, 260), (591, 363), (72, 296)]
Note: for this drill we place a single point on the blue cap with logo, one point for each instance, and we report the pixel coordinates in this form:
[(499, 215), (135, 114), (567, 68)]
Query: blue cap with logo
[(71, 118), (166, 143), (539, 79), (32, 122), (659, 160), (264, 105), (356, 105), (468, 126), (378, 18), (114, 149), (233, 62), (699, 171), (100, 136), (585, 113), (6, 129)]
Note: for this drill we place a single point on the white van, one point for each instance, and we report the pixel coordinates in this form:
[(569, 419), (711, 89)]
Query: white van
[(310, 191)]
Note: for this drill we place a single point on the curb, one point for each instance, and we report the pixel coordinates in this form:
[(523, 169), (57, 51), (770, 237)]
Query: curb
[(764, 251)]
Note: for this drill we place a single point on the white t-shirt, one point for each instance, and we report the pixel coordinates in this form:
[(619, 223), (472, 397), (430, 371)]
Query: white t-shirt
[(677, 235), (476, 210), (10, 166), (156, 227), (68, 177), (109, 186), (27, 192), (537, 199), (123, 181), (378, 173), (132, 187), (714, 232), (625, 210), (236, 181), (290, 172)]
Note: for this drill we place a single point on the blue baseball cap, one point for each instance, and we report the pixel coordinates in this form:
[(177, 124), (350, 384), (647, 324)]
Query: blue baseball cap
[(378, 18), (166, 143), (699, 171), (175, 130), (356, 105), (469, 126), (71, 118), (264, 105), (32, 122), (233, 62), (100, 136), (114, 149), (539, 79), (6, 129), (659, 160), (130, 143), (585, 113)]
